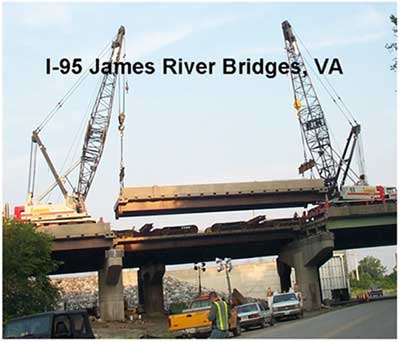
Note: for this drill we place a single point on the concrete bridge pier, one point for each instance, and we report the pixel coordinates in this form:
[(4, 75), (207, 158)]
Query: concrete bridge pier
[(284, 272), (111, 289), (150, 288), (306, 255)]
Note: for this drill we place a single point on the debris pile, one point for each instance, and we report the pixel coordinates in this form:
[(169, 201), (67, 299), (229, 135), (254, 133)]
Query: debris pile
[(82, 292), (77, 292)]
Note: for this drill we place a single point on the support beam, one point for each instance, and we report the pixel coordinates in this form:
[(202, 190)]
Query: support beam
[(306, 256), (151, 287), (111, 290), (196, 198)]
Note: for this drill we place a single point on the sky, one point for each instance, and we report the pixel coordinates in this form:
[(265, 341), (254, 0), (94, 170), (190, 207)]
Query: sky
[(189, 129)]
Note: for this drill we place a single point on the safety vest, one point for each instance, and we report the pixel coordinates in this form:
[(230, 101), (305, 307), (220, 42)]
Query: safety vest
[(222, 315)]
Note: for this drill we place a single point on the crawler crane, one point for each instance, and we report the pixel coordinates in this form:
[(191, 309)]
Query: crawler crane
[(73, 210)]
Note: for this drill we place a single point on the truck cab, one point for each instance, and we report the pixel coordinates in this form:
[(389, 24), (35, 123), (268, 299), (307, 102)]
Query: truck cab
[(54, 324), (193, 322)]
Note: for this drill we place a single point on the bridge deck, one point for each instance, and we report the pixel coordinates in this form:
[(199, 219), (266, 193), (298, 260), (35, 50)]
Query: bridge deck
[(163, 200), (353, 227)]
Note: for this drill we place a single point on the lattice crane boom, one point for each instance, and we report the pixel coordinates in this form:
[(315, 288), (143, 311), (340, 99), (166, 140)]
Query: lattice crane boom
[(309, 112), (97, 128)]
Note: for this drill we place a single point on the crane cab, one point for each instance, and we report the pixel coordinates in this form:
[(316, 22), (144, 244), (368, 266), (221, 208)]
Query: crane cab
[(51, 214), (358, 193)]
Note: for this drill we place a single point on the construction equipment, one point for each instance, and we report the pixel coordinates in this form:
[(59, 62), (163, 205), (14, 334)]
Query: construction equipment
[(330, 165), (73, 210)]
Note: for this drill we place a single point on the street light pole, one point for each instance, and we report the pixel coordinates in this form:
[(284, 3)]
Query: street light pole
[(200, 267), (227, 265), (229, 284), (198, 271)]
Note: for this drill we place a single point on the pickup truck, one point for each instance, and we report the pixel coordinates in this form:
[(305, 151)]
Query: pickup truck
[(286, 305), (193, 322), (54, 324)]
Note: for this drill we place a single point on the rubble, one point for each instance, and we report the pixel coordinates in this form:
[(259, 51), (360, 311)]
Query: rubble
[(82, 292)]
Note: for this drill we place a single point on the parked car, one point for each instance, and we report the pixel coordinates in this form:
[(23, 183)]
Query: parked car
[(286, 305), (254, 315), (375, 291), (54, 324)]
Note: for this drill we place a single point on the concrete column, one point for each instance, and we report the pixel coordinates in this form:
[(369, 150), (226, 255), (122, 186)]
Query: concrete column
[(306, 256), (151, 276), (111, 289), (284, 272)]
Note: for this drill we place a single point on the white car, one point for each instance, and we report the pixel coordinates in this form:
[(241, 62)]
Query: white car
[(286, 305), (253, 315)]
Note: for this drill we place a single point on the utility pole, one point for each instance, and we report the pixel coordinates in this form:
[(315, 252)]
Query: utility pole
[(356, 262), (225, 264), (199, 267)]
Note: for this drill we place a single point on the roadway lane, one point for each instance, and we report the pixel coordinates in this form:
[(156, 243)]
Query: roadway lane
[(369, 320)]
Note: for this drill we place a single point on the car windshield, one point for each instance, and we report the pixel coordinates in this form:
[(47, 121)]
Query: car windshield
[(284, 298), (33, 326), (200, 304), (246, 308)]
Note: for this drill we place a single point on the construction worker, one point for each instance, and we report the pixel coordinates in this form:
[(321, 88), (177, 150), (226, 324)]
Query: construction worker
[(219, 316)]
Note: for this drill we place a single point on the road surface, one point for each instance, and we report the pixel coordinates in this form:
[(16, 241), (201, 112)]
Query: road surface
[(369, 320)]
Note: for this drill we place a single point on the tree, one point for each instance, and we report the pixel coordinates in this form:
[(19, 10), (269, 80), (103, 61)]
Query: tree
[(393, 276), (26, 264), (392, 47), (372, 267)]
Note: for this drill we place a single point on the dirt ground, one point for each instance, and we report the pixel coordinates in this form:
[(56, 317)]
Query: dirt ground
[(154, 327)]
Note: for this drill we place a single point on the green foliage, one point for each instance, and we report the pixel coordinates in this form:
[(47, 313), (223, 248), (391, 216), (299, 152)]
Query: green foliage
[(393, 276), (392, 47), (371, 273), (26, 264), (372, 267)]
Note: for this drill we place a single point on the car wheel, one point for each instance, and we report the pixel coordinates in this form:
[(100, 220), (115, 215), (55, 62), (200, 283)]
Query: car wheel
[(238, 330), (272, 321), (262, 325)]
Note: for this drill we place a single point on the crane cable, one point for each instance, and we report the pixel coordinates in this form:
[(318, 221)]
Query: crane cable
[(121, 121), (75, 141), (51, 114), (336, 103), (326, 121), (69, 93), (331, 86), (30, 169), (74, 145)]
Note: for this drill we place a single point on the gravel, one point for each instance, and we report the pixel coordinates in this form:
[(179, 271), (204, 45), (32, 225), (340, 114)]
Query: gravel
[(82, 292)]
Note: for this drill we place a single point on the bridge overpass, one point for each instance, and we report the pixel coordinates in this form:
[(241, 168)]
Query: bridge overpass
[(350, 227), (353, 227)]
